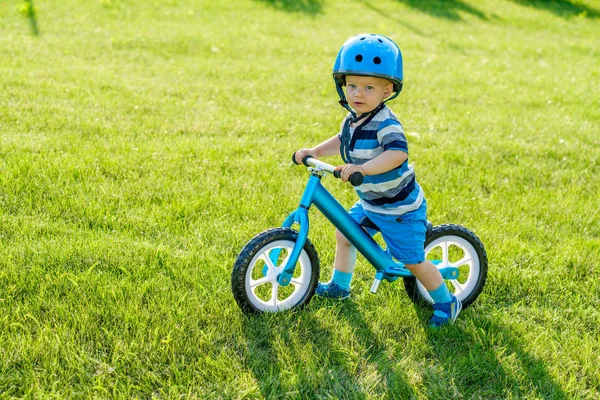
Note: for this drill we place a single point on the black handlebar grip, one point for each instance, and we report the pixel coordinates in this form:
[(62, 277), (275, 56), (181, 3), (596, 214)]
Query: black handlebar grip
[(303, 160), (356, 179), (306, 158), (294, 158)]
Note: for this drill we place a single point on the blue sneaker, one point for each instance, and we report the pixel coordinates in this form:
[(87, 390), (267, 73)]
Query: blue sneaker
[(445, 313), (331, 290)]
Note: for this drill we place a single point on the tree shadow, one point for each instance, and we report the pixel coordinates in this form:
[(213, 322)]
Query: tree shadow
[(294, 355), (497, 360), (386, 14), (562, 8), (29, 10), (449, 9), (310, 7)]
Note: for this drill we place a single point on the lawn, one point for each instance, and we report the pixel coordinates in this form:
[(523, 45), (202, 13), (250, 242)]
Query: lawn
[(142, 144)]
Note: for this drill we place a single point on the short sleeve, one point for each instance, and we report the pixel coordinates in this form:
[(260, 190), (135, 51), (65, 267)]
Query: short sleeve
[(390, 136)]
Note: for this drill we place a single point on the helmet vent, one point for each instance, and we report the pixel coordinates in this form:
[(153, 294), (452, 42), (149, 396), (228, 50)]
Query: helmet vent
[(380, 41), (363, 38), (358, 58), (377, 60)]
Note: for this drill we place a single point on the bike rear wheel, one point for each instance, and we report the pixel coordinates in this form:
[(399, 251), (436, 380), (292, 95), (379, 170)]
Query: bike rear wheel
[(456, 246), (254, 277)]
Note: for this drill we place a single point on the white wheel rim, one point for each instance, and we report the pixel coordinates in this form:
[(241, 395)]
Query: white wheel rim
[(300, 283), (462, 288)]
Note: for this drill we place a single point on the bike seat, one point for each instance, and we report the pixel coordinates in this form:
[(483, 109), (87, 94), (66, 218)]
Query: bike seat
[(367, 223)]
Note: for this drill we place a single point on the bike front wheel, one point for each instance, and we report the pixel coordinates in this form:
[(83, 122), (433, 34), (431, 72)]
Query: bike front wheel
[(453, 246), (254, 277)]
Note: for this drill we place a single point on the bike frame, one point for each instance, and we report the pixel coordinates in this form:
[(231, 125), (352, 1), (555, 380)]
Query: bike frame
[(315, 193)]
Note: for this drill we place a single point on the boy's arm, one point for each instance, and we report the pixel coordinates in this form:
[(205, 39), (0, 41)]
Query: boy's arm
[(384, 162), (330, 147)]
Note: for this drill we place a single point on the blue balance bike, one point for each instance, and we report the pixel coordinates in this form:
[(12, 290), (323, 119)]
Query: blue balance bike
[(279, 268)]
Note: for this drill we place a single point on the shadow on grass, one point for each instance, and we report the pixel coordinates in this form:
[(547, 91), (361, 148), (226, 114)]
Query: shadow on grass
[(310, 7), (386, 14), (487, 360), (378, 355), (448, 9), (292, 357), (29, 10), (295, 355), (562, 8)]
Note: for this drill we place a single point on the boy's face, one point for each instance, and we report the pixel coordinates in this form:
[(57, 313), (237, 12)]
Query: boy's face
[(365, 93)]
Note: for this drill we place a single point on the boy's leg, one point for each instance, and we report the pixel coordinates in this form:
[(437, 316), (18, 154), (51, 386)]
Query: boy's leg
[(345, 254), (343, 267), (446, 307), (430, 277), (405, 237), (427, 274), (344, 263)]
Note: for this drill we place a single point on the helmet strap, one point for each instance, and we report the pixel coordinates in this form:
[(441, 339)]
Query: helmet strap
[(343, 102), (345, 141), (391, 98)]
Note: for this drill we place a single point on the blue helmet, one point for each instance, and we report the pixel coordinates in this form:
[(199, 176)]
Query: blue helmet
[(369, 55)]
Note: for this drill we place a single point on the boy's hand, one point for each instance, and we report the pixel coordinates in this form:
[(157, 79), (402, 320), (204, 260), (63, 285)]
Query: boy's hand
[(300, 154), (348, 169)]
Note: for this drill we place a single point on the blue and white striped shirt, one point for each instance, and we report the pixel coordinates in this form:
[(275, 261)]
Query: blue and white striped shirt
[(394, 192)]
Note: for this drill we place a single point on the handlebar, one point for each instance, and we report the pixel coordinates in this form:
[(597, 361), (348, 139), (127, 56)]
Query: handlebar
[(356, 179)]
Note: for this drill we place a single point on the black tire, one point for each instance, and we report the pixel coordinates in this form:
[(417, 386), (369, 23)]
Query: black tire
[(472, 274), (250, 268)]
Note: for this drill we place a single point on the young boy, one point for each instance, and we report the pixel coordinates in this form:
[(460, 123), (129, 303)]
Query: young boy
[(371, 141)]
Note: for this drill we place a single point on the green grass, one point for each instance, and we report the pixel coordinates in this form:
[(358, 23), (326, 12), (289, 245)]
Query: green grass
[(142, 144)]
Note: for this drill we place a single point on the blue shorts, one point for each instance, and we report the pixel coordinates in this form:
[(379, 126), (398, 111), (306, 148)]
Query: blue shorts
[(403, 234)]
